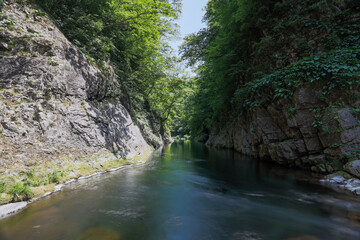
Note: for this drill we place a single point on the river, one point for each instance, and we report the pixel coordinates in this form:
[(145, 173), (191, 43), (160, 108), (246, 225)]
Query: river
[(187, 191)]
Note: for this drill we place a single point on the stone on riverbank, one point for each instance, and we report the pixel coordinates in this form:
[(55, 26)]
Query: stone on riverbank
[(11, 208), (343, 181), (353, 168)]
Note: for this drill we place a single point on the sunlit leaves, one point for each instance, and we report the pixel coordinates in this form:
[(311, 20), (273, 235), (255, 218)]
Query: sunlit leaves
[(129, 35)]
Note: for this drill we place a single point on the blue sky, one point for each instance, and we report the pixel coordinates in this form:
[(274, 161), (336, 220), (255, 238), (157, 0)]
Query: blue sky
[(190, 20)]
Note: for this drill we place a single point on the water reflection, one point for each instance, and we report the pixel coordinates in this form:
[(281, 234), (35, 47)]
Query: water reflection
[(188, 191)]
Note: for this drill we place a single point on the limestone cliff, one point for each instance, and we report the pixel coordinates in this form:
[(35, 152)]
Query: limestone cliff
[(49, 108)]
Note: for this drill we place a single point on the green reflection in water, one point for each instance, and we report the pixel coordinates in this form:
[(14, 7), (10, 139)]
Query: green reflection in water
[(188, 191)]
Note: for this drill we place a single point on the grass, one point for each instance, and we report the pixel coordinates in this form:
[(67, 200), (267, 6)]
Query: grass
[(54, 177), (20, 192), (37, 179)]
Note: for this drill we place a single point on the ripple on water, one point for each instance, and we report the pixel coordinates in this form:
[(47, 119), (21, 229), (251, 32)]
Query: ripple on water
[(175, 221), (206, 184), (245, 235), (128, 213), (254, 194)]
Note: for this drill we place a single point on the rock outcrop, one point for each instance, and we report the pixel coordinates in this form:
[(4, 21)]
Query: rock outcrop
[(306, 132), (49, 98), (353, 168)]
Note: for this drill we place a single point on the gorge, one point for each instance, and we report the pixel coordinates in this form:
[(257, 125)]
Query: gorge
[(90, 87)]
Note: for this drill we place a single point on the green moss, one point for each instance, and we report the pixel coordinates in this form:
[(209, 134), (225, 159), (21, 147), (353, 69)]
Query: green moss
[(341, 174), (53, 62), (24, 53), (336, 145), (348, 157)]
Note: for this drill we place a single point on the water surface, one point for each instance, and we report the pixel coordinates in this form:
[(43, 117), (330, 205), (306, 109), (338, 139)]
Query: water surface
[(188, 191)]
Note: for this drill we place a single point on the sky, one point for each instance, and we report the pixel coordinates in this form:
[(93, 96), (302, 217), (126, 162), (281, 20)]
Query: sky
[(190, 20)]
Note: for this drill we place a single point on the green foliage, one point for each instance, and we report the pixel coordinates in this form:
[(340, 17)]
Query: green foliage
[(6, 21), (291, 110), (335, 145), (255, 52), (2, 187), (20, 192), (53, 62), (33, 180), (54, 177), (347, 157), (130, 36), (336, 69), (1, 5), (38, 13)]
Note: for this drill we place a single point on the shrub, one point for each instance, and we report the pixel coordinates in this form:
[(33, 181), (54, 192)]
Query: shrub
[(54, 177), (20, 192), (2, 187)]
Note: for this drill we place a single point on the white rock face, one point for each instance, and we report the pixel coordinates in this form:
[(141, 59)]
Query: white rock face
[(52, 98)]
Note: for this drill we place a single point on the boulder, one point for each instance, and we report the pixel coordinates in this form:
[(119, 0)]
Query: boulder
[(353, 168)]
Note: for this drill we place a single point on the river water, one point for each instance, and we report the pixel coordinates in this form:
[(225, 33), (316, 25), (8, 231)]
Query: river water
[(187, 191)]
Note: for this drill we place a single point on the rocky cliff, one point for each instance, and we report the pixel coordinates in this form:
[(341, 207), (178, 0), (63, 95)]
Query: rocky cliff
[(314, 134), (49, 108)]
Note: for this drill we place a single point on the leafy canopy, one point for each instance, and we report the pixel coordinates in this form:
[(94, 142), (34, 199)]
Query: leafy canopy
[(130, 35), (256, 51)]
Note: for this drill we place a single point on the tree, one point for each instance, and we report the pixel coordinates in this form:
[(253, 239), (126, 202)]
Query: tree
[(128, 34), (248, 40)]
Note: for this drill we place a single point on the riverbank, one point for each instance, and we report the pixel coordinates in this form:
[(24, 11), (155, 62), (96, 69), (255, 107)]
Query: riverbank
[(55, 123), (12, 208), (189, 191)]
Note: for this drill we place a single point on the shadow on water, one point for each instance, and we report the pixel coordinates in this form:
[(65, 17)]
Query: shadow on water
[(187, 191)]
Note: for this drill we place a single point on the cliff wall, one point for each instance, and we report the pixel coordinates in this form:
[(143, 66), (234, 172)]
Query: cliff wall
[(49, 110), (315, 135)]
